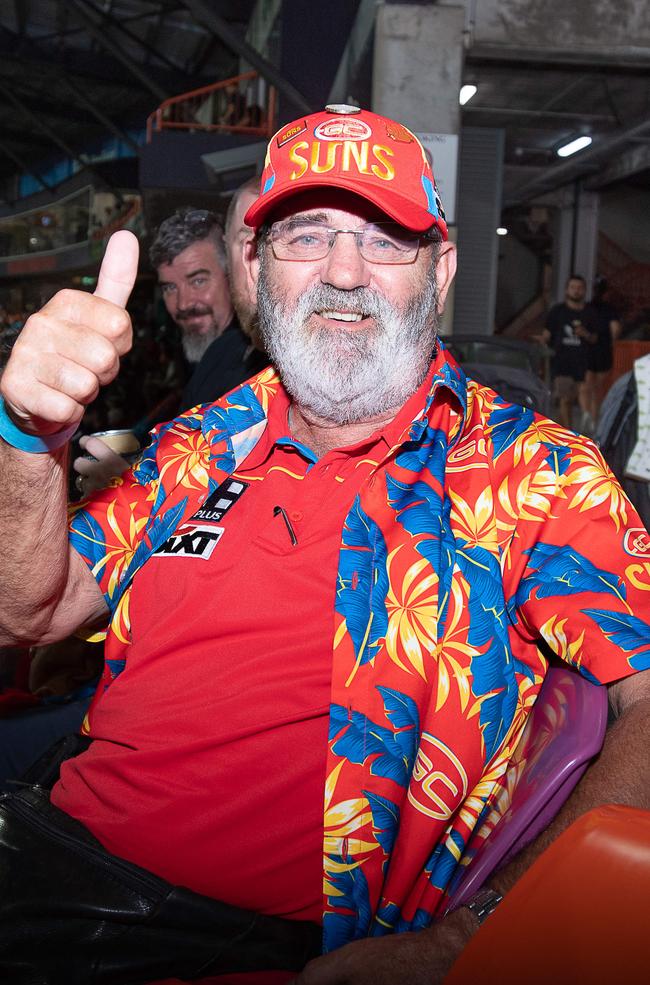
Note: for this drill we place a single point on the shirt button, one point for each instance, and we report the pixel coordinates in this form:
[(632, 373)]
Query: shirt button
[(295, 515)]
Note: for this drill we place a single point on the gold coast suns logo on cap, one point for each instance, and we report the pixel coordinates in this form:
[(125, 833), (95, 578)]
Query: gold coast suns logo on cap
[(343, 128)]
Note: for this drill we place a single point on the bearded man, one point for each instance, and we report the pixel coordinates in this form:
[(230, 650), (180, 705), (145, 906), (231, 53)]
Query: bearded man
[(326, 588), (191, 256)]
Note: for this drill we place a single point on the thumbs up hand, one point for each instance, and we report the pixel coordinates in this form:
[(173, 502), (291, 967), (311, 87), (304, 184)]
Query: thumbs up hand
[(72, 346)]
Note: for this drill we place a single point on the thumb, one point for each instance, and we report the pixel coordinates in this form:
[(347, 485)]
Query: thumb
[(119, 268)]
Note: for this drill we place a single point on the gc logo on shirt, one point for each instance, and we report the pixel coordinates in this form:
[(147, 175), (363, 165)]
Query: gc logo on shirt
[(439, 782)]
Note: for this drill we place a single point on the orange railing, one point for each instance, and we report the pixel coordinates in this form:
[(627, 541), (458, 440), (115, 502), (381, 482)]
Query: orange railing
[(243, 104)]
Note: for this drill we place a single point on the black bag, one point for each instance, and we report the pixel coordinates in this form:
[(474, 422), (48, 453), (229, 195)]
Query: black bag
[(73, 914)]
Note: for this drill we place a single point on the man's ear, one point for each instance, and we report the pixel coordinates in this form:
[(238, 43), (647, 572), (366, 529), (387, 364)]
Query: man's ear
[(251, 267), (445, 271)]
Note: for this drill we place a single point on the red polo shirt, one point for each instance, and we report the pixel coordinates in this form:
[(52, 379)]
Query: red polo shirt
[(209, 761)]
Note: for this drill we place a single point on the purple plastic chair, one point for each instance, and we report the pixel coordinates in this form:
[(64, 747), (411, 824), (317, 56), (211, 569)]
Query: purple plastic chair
[(564, 731)]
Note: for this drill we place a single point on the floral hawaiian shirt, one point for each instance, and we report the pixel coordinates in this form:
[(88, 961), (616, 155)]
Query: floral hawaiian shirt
[(484, 529)]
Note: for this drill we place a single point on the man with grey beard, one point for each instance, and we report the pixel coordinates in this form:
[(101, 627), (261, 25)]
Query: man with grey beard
[(327, 599), (190, 255)]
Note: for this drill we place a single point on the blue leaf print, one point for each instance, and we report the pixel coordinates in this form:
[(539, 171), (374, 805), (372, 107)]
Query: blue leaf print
[(493, 669), (352, 894), (418, 506), (87, 538), (443, 862), (116, 667), (385, 920), (402, 712), (564, 571), (627, 631), (362, 739), (363, 583), (558, 458), (241, 411), (385, 820), (429, 451), (506, 423), (487, 605), (339, 718), (421, 920), (338, 929)]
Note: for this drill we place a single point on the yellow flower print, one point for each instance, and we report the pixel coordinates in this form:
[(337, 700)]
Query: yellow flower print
[(595, 484), (186, 463)]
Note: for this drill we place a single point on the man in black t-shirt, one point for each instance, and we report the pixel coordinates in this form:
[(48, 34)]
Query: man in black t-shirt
[(571, 329)]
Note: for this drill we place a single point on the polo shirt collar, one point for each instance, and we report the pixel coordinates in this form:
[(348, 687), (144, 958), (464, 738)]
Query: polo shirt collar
[(239, 418)]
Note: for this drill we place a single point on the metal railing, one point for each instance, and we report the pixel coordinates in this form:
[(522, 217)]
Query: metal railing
[(243, 104)]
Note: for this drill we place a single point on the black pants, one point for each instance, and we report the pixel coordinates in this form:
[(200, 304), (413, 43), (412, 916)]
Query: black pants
[(72, 914)]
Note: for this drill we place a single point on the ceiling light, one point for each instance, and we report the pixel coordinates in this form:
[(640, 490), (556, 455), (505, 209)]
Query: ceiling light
[(466, 93), (502, 231), (573, 146)]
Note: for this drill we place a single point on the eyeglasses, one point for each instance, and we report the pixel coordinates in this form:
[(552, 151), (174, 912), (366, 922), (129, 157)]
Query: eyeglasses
[(377, 242)]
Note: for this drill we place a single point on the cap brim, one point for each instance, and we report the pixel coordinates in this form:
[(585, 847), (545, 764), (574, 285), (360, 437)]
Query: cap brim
[(403, 210)]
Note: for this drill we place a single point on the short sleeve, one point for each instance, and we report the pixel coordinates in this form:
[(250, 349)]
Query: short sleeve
[(581, 560)]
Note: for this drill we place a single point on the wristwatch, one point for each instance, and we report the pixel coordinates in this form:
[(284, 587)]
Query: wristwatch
[(483, 903)]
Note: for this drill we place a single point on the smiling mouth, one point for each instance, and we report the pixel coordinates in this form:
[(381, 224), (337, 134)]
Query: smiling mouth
[(343, 316)]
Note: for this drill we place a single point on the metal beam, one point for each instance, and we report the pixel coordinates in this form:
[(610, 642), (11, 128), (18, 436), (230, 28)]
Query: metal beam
[(218, 26), (103, 38), (24, 166), (132, 36), (620, 58), (41, 125), (631, 162), (56, 139), (550, 114), (100, 115), (584, 163)]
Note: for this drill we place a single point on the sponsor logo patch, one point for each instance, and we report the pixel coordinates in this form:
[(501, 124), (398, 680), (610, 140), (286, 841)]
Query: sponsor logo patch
[(219, 502), (343, 128), (291, 132), (196, 541), (637, 542)]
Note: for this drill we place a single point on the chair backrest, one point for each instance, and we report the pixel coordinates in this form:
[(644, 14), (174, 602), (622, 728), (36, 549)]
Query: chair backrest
[(564, 731), (579, 914)]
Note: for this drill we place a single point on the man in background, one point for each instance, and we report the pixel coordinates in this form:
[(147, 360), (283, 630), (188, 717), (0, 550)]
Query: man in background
[(189, 255), (201, 275), (570, 329)]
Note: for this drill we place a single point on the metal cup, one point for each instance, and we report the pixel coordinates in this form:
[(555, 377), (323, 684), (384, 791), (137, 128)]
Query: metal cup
[(122, 441)]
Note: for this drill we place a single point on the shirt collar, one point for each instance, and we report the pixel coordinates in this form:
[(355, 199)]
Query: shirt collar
[(239, 418)]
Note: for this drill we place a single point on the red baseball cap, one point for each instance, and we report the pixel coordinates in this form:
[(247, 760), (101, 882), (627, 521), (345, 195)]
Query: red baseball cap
[(359, 151)]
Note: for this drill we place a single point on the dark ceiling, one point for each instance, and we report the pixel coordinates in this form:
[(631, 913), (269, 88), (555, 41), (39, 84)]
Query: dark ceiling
[(73, 72)]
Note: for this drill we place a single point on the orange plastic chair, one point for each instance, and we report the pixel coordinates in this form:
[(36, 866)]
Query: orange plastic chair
[(578, 915)]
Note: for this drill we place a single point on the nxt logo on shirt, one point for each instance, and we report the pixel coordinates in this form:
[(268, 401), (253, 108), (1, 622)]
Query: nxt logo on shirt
[(193, 541)]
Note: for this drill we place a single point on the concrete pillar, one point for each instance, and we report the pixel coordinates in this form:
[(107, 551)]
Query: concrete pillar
[(418, 64), (417, 75), (575, 239)]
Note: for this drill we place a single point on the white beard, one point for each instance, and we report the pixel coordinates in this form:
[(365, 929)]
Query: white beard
[(346, 376), (195, 345)]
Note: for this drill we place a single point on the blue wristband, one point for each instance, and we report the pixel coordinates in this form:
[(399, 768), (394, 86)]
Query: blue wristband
[(31, 442)]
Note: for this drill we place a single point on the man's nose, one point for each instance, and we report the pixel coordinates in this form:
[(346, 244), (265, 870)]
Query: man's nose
[(183, 297), (344, 267)]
